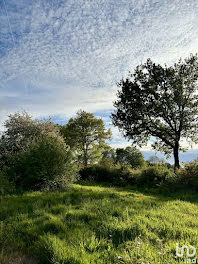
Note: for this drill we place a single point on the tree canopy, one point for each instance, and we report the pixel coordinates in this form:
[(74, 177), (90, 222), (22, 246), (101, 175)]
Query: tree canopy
[(21, 130), (34, 154), (161, 102), (130, 156), (86, 135)]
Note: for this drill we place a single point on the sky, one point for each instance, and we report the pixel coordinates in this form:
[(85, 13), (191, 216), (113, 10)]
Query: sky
[(59, 56)]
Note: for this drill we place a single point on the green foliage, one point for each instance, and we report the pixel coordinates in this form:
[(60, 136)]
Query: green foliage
[(160, 102), (97, 173), (125, 158), (45, 162), (51, 249), (33, 154), (108, 159), (6, 187), (86, 136), (91, 224), (187, 177), (116, 176), (153, 175), (21, 130), (129, 156)]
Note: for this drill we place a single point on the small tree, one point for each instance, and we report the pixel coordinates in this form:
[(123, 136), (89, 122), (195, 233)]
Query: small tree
[(160, 102), (86, 135), (33, 152), (46, 162), (21, 130), (130, 156)]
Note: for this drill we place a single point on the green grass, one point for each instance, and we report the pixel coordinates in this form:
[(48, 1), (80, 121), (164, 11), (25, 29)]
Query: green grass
[(93, 224)]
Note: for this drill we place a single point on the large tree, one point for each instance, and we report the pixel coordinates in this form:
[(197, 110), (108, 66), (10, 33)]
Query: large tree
[(161, 102), (86, 135)]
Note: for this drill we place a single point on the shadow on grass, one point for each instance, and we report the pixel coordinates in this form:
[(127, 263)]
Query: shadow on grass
[(112, 215), (28, 203), (167, 193)]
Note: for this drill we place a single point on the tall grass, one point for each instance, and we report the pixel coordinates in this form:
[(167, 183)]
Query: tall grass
[(93, 224)]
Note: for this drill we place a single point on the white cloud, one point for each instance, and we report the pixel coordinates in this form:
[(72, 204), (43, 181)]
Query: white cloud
[(69, 54)]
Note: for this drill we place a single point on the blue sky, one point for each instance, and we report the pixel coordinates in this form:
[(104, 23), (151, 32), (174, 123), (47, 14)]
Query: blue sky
[(60, 56)]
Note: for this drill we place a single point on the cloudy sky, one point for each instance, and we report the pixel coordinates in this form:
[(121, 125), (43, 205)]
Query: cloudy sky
[(58, 56)]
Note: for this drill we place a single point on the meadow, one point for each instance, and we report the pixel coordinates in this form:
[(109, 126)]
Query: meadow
[(97, 224)]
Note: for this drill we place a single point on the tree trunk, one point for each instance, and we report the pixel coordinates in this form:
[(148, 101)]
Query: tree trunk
[(176, 156), (85, 160)]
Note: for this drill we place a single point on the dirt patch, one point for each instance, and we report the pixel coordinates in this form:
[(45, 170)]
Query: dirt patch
[(17, 258), (23, 260)]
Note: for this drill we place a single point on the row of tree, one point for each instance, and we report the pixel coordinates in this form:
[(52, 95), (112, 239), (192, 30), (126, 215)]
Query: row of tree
[(154, 101), (34, 153), (87, 138)]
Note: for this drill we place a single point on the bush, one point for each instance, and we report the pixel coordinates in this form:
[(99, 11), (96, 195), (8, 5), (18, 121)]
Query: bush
[(187, 177), (20, 132), (6, 187), (33, 154), (45, 162), (97, 173), (154, 175), (117, 176), (147, 176)]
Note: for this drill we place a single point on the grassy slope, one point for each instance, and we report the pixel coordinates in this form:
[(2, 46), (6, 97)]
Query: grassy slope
[(90, 224)]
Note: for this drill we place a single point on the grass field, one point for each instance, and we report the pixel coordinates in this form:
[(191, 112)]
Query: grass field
[(92, 224)]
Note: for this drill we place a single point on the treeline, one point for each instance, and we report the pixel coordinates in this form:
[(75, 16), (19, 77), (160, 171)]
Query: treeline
[(41, 155), (154, 101)]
